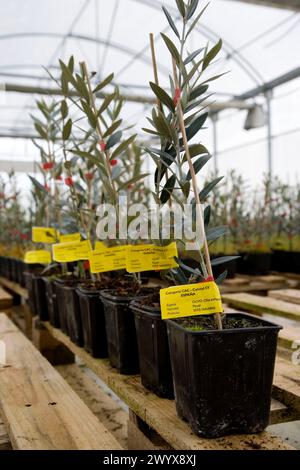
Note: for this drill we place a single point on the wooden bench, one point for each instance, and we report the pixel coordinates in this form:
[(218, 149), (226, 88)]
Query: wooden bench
[(244, 283), (14, 287), (288, 295), (6, 300), (257, 304), (40, 410), (159, 417)]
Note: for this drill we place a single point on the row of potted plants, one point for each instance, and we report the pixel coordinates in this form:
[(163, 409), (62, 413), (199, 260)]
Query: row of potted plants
[(219, 367)]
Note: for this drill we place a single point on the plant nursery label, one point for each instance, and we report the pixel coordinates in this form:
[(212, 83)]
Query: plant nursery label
[(73, 251), (72, 237), (99, 246), (108, 259), (190, 300), (44, 235), (39, 257), (150, 257)]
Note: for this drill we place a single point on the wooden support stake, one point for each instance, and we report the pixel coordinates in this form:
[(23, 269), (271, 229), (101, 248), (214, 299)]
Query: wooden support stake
[(195, 188)]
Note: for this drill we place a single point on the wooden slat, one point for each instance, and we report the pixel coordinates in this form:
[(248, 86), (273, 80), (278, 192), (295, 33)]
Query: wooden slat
[(288, 295), (287, 383), (288, 336), (258, 304), (6, 299), (4, 439), (99, 401), (40, 410), (14, 287), (160, 414)]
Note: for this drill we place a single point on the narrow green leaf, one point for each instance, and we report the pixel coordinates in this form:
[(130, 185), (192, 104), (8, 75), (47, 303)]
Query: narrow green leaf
[(105, 82), (207, 214), (67, 130), (181, 7), (64, 109), (192, 9), (196, 20), (106, 103), (215, 233), (196, 125), (198, 91), (223, 260), (193, 55), (123, 146), (198, 165), (112, 128), (114, 139), (163, 96), (205, 192), (168, 189), (221, 278), (133, 180), (172, 48), (212, 54), (38, 185), (171, 22)]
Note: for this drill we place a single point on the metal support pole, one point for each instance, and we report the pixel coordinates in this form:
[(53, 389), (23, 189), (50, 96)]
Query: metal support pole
[(214, 119), (268, 96)]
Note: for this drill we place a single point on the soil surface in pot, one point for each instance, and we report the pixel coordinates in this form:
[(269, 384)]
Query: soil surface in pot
[(206, 323), (118, 284)]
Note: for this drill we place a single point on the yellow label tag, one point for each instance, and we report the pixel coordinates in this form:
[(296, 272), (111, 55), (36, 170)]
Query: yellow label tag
[(72, 237), (190, 300), (44, 235), (74, 251), (37, 257), (108, 259), (99, 246), (150, 257)]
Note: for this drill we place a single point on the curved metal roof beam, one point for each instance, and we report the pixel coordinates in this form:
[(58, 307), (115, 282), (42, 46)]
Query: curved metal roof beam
[(113, 45), (242, 62)]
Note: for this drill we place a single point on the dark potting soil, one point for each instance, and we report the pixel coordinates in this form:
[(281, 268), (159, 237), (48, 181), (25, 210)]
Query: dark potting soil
[(205, 323), (122, 287), (152, 301)]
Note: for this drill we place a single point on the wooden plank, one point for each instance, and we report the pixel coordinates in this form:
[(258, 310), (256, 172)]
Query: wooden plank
[(258, 304), (287, 337), (281, 413), (110, 412), (4, 439), (40, 410), (14, 287), (142, 437), (6, 299), (160, 414), (288, 295), (286, 385)]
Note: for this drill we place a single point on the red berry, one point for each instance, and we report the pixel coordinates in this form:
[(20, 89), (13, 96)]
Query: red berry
[(58, 178), (102, 145), (113, 162), (48, 166), (86, 265), (89, 176), (69, 181)]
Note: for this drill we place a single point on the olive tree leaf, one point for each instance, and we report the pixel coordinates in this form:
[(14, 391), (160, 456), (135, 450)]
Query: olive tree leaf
[(223, 260), (198, 165), (208, 188), (168, 189), (114, 139), (181, 7), (172, 48), (105, 82), (171, 22), (212, 54), (163, 96), (67, 130)]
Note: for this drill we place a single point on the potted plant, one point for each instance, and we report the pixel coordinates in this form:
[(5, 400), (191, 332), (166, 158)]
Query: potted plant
[(222, 367)]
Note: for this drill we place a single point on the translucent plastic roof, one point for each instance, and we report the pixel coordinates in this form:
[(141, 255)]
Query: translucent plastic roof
[(260, 43)]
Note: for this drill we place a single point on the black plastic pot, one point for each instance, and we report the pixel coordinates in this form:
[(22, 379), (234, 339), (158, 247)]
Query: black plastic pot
[(230, 267), (93, 322), (223, 379), (51, 296), (153, 346), (120, 331), (254, 263), (28, 276), (69, 310), (286, 261), (40, 299)]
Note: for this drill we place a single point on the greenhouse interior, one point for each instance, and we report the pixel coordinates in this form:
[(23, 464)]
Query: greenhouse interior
[(149, 228)]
